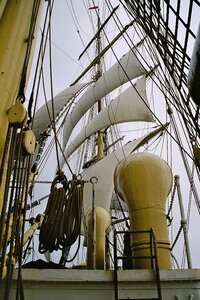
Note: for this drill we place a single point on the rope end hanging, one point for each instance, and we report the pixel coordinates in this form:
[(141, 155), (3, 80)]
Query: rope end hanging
[(62, 222)]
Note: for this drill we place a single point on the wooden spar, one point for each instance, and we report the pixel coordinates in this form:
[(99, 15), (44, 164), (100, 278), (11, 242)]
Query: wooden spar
[(96, 59), (98, 32)]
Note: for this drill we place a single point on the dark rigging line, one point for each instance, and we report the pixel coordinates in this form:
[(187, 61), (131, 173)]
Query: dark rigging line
[(52, 93)]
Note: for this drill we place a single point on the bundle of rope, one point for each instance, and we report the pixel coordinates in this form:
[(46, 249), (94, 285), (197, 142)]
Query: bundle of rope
[(62, 220)]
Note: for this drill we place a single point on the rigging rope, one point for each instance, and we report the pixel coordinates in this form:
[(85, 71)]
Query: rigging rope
[(52, 93), (40, 55), (14, 208), (62, 220), (176, 101), (188, 219), (172, 201), (15, 196), (36, 5), (177, 236)]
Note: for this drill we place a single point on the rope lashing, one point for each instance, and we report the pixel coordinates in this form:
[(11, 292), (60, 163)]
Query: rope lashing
[(62, 220), (171, 204)]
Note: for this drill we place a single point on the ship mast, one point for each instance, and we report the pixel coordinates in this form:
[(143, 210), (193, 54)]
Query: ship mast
[(18, 26), (100, 102), (14, 21)]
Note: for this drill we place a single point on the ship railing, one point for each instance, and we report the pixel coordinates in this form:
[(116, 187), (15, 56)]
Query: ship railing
[(153, 258)]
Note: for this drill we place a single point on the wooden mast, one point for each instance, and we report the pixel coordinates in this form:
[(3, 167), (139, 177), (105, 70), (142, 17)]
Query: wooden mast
[(15, 18), (100, 153)]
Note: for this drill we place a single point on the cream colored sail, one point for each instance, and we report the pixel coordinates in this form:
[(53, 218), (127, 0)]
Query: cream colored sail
[(131, 105), (126, 69), (104, 170), (44, 116)]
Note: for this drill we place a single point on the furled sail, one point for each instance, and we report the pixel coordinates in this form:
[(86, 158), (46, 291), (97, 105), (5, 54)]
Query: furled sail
[(44, 116), (127, 68), (104, 170), (131, 105)]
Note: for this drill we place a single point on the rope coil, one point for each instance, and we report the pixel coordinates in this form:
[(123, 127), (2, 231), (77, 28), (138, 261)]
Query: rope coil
[(62, 221)]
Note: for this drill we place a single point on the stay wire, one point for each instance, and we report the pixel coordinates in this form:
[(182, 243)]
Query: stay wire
[(6, 216), (9, 141), (189, 206), (158, 119), (183, 89), (13, 210), (24, 193), (175, 121), (39, 56), (52, 122), (75, 18), (20, 219), (36, 5), (77, 26), (140, 55), (186, 164), (166, 129), (52, 93), (115, 127), (152, 112)]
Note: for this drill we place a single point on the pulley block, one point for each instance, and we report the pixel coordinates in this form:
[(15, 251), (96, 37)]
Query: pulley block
[(29, 141), (17, 115)]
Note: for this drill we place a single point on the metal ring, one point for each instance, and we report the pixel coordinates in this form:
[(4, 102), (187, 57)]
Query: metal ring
[(93, 180)]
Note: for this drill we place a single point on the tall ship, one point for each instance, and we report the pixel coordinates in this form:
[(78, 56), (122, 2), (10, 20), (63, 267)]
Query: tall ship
[(99, 149)]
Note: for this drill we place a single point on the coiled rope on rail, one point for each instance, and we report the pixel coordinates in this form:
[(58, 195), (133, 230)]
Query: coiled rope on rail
[(62, 220)]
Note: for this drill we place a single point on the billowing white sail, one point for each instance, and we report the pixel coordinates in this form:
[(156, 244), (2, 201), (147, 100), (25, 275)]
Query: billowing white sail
[(44, 116), (104, 170), (121, 72), (131, 105)]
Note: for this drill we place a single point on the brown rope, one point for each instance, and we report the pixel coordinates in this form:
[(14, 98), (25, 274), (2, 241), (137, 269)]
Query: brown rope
[(62, 220), (13, 215)]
